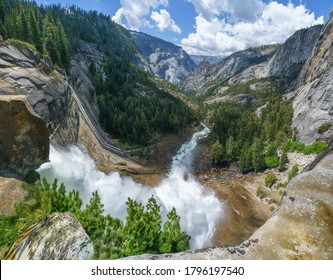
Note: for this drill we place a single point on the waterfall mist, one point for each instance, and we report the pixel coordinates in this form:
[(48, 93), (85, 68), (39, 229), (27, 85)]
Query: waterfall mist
[(198, 207)]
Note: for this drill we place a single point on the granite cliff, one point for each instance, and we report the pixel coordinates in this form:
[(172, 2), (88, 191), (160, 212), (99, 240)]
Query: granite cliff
[(25, 72), (164, 59), (313, 100)]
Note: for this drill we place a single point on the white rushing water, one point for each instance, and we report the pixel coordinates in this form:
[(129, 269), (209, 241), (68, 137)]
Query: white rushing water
[(198, 207)]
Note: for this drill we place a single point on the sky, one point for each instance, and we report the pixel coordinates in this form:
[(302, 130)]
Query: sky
[(212, 27)]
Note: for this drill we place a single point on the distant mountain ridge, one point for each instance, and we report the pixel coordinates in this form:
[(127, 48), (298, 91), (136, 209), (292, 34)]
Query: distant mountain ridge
[(164, 59), (211, 59)]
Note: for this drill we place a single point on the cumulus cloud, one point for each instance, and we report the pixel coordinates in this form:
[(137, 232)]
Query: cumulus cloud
[(134, 15), (164, 21), (234, 25)]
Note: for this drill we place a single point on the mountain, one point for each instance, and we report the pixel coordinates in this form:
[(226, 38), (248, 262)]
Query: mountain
[(211, 77), (211, 59), (280, 62), (164, 59)]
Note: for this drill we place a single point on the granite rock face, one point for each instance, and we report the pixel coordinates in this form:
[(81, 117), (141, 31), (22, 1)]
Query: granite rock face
[(60, 237), (289, 60), (208, 75), (87, 57), (301, 228), (25, 72), (313, 100), (164, 59), (24, 141)]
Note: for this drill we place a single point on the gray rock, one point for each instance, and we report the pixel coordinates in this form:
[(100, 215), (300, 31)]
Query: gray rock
[(208, 76), (60, 237), (164, 59), (289, 60), (24, 72), (313, 106), (313, 100)]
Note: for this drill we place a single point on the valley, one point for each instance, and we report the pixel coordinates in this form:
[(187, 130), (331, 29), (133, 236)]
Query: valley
[(153, 153)]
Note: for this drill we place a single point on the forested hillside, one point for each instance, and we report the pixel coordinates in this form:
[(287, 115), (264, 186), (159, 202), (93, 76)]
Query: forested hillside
[(133, 106)]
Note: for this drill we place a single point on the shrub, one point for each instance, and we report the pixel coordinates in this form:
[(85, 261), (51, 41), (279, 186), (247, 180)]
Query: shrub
[(261, 192), (270, 179), (293, 172), (272, 161), (324, 127)]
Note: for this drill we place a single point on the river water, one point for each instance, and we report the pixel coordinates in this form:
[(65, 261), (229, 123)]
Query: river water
[(198, 207)]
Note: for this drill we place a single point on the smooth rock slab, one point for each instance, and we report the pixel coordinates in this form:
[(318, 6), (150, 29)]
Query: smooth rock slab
[(60, 237)]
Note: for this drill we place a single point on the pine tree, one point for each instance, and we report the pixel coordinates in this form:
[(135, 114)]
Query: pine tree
[(64, 53), (258, 158), (50, 45), (231, 149), (216, 153), (172, 239)]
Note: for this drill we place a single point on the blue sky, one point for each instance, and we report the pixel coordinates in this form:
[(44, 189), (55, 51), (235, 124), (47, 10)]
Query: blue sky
[(212, 27)]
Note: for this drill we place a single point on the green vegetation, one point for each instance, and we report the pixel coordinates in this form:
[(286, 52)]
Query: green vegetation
[(317, 147), (270, 180), (23, 20), (247, 137), (133, 108), (112, 238), (261, 192), (324, 127), (293, 172)]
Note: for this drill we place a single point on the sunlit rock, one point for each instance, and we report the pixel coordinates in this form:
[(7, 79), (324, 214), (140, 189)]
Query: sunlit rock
[(60, 237)]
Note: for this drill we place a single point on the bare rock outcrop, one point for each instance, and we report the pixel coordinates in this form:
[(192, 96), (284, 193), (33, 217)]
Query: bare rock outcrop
[(25, 72), (60, 237), (164, 59), (206, 76), (301, 228), (288, 62), (313, 100), (24, 141)]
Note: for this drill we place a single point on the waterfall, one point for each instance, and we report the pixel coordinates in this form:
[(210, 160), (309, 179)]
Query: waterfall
[(198, 207)]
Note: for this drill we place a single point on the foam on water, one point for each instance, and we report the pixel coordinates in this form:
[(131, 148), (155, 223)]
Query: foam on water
[(198, 207)]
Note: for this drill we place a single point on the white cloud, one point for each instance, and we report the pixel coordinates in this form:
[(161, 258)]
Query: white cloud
[(133, 14), (233, 25), (238, 9), (165, 22)]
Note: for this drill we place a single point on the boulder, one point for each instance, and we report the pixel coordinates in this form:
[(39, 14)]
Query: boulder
[(60, 237), (11, 193), (24, 141)]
